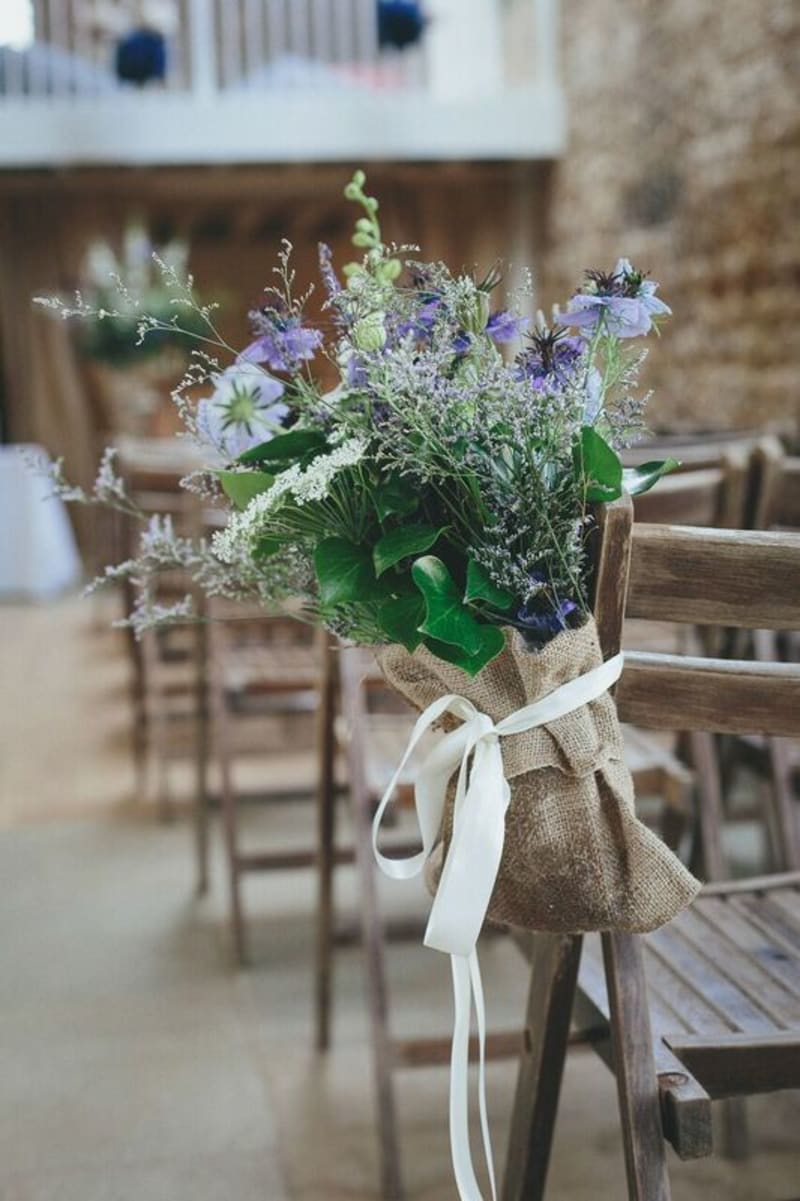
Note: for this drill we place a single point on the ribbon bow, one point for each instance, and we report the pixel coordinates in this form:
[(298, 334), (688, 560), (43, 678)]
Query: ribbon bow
[(471, 866)]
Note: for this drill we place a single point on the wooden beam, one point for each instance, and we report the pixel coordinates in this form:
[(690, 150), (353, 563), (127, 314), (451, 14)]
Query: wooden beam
[(747, 579), (741, 1064), (672, 692)]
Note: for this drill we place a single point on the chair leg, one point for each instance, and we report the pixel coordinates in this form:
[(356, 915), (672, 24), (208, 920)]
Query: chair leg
[(784, 806), (377, 995), (230, 830), (554, 976), (326, 816), (200, 809), (637, 1083), (735, 1129), (710, 816)]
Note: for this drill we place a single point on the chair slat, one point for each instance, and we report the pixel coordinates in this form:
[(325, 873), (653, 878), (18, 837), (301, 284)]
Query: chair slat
[(784, 931), (740, 968), (673, 692), (734, 1065), (747, 579), (751, 938), (670, 992), (689, 498), (699, 973)]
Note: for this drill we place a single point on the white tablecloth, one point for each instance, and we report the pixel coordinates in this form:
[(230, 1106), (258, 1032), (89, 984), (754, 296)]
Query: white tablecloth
[(38, 555)]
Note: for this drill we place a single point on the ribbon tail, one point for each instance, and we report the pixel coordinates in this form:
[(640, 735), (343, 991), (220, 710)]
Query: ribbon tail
[(480, 1016), (466, 1182)]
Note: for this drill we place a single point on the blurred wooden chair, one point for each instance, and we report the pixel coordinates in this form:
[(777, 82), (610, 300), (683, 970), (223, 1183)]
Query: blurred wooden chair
[(263, 683), (371, 724), (777, 507), (713, 494), (709, 1006)]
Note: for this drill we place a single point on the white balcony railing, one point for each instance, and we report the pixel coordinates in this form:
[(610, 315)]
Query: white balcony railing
[(288, 80)]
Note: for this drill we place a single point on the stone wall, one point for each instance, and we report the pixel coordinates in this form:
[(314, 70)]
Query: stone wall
[(684, 155)]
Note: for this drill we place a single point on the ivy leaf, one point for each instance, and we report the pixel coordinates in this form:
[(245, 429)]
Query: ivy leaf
[(599, 465), (480, 587), (403, 542), (241, 486), (447, 619), (492, 643), (396, 495), (286, 448), (636, 480), (344, 572), (400, 619)]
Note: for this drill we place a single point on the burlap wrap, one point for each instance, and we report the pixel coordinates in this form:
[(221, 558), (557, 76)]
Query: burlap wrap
[(575, 858)]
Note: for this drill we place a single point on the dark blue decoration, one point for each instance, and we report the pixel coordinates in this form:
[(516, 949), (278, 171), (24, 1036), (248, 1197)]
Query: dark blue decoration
[(400, 23), (141, 57)]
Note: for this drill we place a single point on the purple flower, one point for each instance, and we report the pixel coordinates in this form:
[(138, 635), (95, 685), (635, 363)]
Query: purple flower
[(283, 343), (420, 326), (356, 372), (552, 359), (462, 342), (625, 299), (540, 620), (329, 277), (503, 326), (244, 410)]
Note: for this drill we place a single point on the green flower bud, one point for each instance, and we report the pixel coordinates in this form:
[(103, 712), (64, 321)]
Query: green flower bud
[(369, 333), (476, 314)]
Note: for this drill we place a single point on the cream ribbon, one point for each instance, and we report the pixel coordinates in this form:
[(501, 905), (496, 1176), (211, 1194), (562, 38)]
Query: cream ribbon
[(471, 866)]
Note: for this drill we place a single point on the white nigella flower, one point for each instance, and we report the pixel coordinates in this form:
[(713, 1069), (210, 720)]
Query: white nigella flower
[(244, 410), (304, 485)]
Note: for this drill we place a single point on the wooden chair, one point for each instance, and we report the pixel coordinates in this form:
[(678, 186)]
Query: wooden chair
[(711, 494), (709, 1006), (373, 728), (263, 675), (778, 508)]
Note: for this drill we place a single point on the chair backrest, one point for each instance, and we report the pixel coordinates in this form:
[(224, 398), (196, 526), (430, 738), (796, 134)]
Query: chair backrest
[(779, 499), (741, 579), (696, 497)]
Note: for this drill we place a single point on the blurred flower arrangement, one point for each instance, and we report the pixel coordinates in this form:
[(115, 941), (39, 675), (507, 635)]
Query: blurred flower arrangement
[(117, 290), (441, 491)]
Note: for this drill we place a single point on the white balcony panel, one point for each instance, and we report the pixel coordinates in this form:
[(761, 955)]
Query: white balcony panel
[(300, 127), (290, 80)]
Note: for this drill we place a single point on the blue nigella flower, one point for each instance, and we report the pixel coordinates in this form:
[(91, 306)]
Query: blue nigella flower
[(283, 342), (244, 410), (626, 300), (552, 358), (503, 326)]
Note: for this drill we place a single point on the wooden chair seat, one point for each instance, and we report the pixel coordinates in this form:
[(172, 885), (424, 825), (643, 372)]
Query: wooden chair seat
[(723, 982)]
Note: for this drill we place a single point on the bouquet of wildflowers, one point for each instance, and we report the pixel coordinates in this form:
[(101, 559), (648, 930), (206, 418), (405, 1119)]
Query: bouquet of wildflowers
[(440, 492)]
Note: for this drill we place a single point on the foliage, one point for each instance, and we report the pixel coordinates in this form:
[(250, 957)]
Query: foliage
[(442, 490)]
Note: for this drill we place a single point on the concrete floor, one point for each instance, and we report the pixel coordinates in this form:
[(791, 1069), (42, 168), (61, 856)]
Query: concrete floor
[(136, 1064)]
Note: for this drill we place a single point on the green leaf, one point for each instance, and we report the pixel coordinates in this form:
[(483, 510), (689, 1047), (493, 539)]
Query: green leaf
[(345, 573), (492, 643), (399, 544), (447, 619), (480, 587), (396, 495), (636, 480), (286, 448), (599, 465), (241, 486), (400, 619), (267, 547)]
